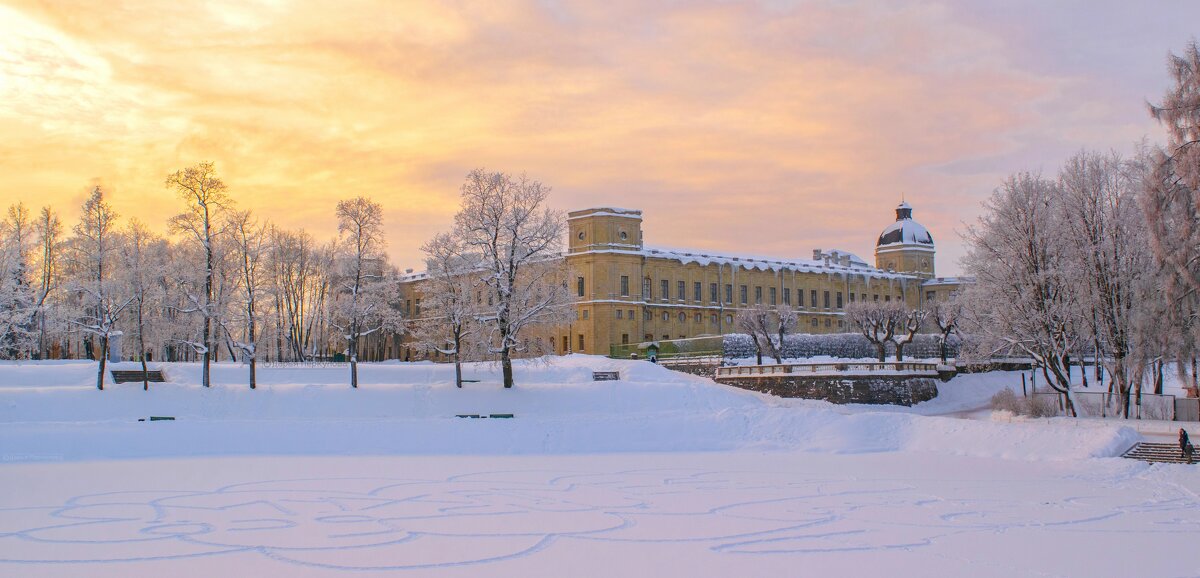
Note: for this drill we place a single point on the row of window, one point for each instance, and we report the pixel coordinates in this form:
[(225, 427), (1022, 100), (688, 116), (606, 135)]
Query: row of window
[(682, 316), (827, 300)]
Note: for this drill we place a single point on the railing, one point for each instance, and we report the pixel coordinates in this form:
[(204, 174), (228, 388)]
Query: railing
[(850, 368), (1111, 406), (712, 359), (302, 364)]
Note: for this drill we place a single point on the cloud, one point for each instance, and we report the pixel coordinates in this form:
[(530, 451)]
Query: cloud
[(769, 127)]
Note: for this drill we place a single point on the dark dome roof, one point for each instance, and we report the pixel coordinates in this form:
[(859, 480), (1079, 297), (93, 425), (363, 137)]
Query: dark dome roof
[(905, 231)]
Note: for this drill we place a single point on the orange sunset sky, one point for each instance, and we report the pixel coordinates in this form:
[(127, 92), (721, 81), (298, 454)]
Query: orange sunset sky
[(769, 128)]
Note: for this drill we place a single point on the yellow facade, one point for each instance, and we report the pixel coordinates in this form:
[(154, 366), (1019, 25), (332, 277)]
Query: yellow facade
[(627, 293)]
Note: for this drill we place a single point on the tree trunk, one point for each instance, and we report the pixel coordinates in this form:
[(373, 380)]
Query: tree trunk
[(352, 351), (506, 365), (457, 361), (899, 352), (103, 360), (142, 348), (882, 351)]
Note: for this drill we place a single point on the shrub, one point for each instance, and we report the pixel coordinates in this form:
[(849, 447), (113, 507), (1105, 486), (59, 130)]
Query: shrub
[(1006, 400)]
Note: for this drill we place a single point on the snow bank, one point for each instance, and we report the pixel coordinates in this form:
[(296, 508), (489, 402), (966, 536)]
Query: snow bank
[(53, 412)]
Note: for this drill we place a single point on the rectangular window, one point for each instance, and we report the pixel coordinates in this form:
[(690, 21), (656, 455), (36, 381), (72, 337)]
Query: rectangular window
[(887, 298), (813, 298), (699, 317), (828, 322), (826, 295), (579, 286), (620, 312), (580, 342), (646, 314), (585, 313), (815, 322), (713, 296), (624, 339), (697, 291), (417, 309), (787, 295), (625, 285), (728, 293), (646, 289), (631, 313), (742, 291), (875, 297), (680, 290), (930, 296), (839, 299), (852, 297), (408, 307), (665, 288), (758, 295), (773, 296)]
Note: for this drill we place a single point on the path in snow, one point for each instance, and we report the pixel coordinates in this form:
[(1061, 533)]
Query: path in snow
[(711, 514)]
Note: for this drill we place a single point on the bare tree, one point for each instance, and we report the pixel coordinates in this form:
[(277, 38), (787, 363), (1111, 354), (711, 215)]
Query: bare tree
[(360, 310), (206, 199), (250, 240), (95, 253), (504, 220), (1024, 299)]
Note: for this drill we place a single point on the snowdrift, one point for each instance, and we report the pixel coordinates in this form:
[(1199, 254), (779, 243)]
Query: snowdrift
[(51, 410)]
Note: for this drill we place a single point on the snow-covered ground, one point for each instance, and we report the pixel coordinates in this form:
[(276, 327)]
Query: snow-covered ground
[(660, 473)]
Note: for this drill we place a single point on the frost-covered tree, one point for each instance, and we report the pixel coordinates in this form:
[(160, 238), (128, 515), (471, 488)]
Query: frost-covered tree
[(505, 220), (206, 200), (1025, 300), (17, 299), (249, 238), (97, 245), (786, 320), (875, 320), (907, 322), (1109, 255), (945, 315), (49, 239), (449, 315), (757, 322), (362, 307), (142, 260), (1172, 206)]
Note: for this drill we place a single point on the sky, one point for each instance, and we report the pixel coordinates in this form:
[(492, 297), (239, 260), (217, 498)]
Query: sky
[(768, 128)]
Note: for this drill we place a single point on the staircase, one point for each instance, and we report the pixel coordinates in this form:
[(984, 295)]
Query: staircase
[(1157, 453), (154, 375)]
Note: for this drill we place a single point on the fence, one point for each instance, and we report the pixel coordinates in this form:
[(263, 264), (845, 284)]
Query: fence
[(1187, 409), (1106, 405), (827, 368), (303, 364)]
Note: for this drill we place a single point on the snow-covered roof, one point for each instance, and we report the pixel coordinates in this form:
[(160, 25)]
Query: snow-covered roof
[(905, 231), (768, 263), (605, 212), (948, 281)]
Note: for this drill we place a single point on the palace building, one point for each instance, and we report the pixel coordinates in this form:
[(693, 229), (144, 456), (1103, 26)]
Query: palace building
[(626, 292)]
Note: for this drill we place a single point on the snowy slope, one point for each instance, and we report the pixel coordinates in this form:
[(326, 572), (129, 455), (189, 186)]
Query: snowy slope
[(53, 411)]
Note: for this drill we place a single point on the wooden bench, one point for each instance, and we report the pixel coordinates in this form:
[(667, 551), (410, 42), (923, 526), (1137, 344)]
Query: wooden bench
[(606, 375), (122, 376)]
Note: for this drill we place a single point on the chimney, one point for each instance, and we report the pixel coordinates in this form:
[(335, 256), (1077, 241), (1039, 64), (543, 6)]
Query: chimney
[(817, 255), (408, 271)]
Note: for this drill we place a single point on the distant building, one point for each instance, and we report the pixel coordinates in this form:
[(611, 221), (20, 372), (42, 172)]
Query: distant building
[(628, 293)]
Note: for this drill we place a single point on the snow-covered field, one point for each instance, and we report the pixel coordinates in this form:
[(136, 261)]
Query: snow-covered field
[(660, 473)]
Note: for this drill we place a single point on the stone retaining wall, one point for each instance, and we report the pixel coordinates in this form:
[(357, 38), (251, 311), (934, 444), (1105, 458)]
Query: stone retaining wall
[(875, 389)]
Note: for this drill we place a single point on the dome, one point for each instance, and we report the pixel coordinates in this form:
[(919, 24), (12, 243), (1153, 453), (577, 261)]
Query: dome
[(905, 231)]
